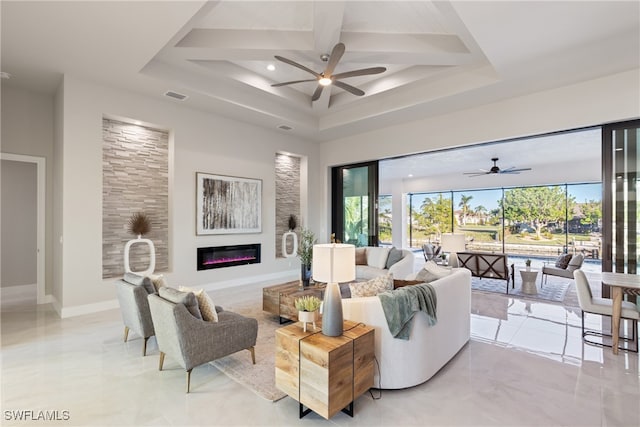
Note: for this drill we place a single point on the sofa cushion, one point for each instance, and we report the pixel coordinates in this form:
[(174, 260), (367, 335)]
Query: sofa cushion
[(377, 257), (576, 262), (372, 287), (137, 280), (401, 283), (361, 256), (158, 281), (432, 271), (364, 272), (187, 298), (395, 255), (205, 304), (563, 261)]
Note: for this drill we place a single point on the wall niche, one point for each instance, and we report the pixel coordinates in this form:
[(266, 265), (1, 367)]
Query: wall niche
[(287, 197), (135, 178)]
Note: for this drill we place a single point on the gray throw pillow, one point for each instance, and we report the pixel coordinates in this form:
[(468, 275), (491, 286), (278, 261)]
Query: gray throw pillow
[(137, 280), (187, 298), (563, 261), (395, 255)]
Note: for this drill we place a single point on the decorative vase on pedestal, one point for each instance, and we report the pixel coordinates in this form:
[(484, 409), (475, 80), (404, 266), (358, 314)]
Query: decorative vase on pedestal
[(152, 256), (294, 244)]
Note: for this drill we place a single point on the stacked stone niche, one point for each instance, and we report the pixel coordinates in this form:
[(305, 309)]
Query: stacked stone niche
[(135, 178), (287, 197)]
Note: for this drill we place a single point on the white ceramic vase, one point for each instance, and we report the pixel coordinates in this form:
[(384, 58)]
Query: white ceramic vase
[(152, 256), (294, 241)]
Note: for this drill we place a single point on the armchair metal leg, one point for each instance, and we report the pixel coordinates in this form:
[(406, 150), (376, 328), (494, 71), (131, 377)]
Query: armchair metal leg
[(126, 333), (189, 379), (253, 354), (161, 361), (144, 347)]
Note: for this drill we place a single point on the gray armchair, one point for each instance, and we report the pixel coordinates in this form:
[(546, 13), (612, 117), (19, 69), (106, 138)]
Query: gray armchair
[(193, 342), (132, 294), (575, 263)]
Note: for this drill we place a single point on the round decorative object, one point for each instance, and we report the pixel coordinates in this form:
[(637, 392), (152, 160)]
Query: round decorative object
[(308, 317), (294, 244), (152, 256)]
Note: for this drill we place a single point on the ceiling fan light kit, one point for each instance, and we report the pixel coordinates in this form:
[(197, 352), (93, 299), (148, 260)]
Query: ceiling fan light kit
[(327, 78), (495, 170)]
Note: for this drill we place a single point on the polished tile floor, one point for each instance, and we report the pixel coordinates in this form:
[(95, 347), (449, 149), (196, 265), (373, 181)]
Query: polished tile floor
[(525, 365)]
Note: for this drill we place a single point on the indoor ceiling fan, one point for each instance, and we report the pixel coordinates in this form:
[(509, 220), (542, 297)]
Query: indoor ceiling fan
[(496, 170), (327, 77)]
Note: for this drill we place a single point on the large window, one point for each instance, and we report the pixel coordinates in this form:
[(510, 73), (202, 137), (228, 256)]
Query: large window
[(537, 221), (384, 220)]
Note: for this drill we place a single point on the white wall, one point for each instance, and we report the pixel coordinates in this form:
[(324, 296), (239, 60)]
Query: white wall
[(608, 99), (201, 143), (27, 129)]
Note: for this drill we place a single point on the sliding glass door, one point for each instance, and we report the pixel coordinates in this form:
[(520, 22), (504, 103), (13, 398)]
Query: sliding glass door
[(355, 204), (621, 163)]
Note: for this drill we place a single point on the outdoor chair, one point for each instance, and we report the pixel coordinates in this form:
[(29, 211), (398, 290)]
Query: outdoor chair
[(604, 307), (430, 251), (562, 270), (192, 341)]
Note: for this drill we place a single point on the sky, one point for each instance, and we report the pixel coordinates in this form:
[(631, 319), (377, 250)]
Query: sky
[(489, 198)]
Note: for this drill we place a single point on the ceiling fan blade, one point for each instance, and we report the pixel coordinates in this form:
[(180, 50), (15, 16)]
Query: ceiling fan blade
[(295, 64), (472, 174), (317, 93), (362, 72), (293, 82), (336, 54), (348, 88), (512, 170)]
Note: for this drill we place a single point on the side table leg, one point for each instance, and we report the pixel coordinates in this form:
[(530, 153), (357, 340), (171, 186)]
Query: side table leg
[(349, 409), (303, 411)]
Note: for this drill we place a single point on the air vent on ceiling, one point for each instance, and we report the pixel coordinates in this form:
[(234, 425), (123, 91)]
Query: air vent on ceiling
[(176, 95), (285, 127)]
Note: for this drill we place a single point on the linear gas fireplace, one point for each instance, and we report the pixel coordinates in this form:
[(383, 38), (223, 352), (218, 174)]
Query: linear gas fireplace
[(228, 256)]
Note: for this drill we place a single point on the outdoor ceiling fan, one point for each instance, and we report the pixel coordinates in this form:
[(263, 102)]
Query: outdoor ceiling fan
[(496, 170), (327, 77)]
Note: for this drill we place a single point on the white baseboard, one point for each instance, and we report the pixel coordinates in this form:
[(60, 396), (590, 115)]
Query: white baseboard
[(264, 279), (11, 291)]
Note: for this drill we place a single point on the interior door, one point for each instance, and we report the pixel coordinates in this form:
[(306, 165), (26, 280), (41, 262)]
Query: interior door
[(355, 204)]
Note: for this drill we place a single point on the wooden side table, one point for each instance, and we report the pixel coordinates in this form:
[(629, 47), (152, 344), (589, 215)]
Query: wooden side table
[(279, 299), (325, 374)]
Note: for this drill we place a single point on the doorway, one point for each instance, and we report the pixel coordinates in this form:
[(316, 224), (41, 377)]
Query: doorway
[(23, 224)]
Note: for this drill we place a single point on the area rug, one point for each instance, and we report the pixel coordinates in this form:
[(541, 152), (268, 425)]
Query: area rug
[(259, 378), (553, 290)]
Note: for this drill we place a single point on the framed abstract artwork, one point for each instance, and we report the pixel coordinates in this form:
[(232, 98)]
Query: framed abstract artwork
[(228, 204)]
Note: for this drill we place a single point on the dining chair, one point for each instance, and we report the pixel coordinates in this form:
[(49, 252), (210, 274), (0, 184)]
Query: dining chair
[(604, 307)]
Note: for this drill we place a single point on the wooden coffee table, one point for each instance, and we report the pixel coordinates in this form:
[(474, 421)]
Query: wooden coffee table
[(279, 300)]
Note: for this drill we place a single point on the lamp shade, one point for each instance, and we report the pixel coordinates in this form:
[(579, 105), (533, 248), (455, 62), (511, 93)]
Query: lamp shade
[(334, 262), (453, 243)]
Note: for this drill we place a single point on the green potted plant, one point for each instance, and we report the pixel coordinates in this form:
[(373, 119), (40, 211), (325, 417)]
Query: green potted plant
[(527, 263), (305, 252), (307, 307)]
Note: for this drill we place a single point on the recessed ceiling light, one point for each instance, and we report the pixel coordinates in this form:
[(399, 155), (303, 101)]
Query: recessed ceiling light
[(410, 175), (271, 67)]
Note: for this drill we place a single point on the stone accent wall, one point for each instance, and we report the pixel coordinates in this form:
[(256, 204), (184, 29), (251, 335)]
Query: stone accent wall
[(135, 178), (287, 196)]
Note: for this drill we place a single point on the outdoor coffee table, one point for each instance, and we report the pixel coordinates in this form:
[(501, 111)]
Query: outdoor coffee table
[(529, 281)]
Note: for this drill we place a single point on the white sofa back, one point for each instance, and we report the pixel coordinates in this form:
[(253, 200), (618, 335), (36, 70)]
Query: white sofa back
[(406, 363), (399, 270)]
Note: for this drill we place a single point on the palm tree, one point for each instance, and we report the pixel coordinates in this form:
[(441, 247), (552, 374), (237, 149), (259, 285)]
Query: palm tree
[(480, 212), (465, 207)]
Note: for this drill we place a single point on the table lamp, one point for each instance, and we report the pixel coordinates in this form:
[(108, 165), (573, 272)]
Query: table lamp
[(333, 263), (453, 243)]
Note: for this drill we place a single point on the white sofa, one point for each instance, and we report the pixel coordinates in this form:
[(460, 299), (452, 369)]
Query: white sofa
[(406, 363), (376, 261)]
